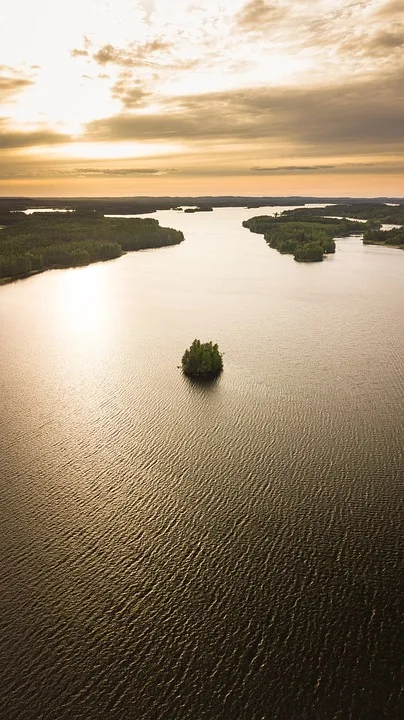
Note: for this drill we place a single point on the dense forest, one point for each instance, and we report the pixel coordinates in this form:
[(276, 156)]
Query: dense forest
[(202, 360), (375, 214), (382, 213), (147, 204), (374, 235), (40, 241), (304, 231), (306, 241)]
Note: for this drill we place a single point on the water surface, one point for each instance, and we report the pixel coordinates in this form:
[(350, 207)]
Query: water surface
[(225, 550)]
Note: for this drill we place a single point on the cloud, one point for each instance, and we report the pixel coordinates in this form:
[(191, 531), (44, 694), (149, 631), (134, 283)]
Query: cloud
[(360, 114), (394, 7), (119, 172), (82, 52), (11, 82), (41, 170), (288, 87), (132, 95), (291, 168), (110, 54), (10, 139), (36, 169), (136, 54), (387, 39), (79, 52), (336, 167), (258, 13), (341, 37), (384, 45)]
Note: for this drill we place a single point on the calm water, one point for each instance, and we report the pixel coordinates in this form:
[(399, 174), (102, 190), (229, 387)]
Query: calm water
[(172, 550)]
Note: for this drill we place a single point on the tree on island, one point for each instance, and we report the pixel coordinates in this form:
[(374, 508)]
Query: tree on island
[(202, 360), (311, 252)]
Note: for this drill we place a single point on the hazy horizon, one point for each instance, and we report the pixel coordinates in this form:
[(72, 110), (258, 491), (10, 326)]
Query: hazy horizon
[(251, 98), (90, 196)]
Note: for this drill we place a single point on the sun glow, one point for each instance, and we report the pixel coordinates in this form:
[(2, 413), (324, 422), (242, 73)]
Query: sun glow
[(83, 305), (107, 151), (98, 92)]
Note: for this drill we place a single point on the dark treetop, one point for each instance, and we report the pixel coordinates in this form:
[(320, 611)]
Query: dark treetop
[(202, 360)]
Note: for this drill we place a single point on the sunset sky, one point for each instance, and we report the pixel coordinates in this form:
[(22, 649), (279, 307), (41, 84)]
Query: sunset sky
[(160, 97)]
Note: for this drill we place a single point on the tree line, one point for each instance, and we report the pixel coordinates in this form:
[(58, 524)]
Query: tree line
[(306, 241), (308, 235), (374, 235), (379, 211), (41, 241)]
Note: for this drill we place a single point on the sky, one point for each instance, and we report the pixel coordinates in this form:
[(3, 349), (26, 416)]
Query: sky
[(178, 97)]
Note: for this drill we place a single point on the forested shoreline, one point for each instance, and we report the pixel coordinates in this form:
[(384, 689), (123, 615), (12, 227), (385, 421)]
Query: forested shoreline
[(375, 215), (148, 204), (41, 241), (374, 235), (309, 233), (306, 241), (380, 212)]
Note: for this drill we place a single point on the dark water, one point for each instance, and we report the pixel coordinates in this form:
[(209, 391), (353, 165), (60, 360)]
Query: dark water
[(230, 550)]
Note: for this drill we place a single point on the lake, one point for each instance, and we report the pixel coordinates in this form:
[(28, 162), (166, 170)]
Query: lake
[(174, 550)]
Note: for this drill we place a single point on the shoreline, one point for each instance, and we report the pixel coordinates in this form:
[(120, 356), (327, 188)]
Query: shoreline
[(383, 244), (24, 276)]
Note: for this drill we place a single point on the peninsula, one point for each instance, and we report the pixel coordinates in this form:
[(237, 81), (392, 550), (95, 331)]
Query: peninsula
[(38, 242), (307, 241), (375, 214), (304, 232)]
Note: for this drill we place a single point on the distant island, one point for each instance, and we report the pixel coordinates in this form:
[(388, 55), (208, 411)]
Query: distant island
[(147, 204), (370, 210), (306, 241), (38, 242), (201, 208), (309, 233), (202, 360), (375, 214)]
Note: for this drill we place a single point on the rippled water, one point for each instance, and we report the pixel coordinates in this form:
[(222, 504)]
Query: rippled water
[(173, 550)]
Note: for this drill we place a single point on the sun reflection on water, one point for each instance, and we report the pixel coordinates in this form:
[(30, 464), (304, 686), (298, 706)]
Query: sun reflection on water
[(84, 305), (85, 324)]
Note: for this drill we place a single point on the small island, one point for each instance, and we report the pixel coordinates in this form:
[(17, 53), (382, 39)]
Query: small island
[(202, 360), (200, 208)]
